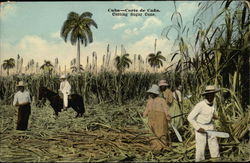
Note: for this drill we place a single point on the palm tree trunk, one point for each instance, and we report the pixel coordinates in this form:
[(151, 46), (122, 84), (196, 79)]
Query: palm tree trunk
[(8, 71), (155, 46), (78, 56)]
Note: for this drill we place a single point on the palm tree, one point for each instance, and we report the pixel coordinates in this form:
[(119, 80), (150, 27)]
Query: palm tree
[(74, 69), (47, 67), (8, 64), (78, 27), (156, 60), (122, 62)]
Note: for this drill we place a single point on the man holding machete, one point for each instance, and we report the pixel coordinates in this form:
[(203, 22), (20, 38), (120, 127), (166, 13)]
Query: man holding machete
[(201, 118)]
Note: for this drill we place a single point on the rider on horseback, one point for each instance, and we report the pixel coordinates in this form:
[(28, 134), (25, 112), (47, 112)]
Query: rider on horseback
[(65, 89)]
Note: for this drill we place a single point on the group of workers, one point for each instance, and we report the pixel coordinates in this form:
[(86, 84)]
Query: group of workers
[(160, 106), (159, 110)]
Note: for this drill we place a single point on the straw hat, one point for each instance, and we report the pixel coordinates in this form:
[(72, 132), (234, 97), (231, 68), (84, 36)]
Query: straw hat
[(163, 83), (20, 84), (154, 89), (210, 89), (63, 77)]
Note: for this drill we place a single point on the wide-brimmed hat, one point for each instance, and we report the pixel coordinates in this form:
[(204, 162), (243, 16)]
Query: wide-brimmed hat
[(20, 84), (163, 83), (210, 89), (154, 89), (63, 77)]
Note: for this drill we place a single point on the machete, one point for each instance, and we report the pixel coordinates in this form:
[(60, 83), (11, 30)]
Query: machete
[(217, 134), (176, 133)]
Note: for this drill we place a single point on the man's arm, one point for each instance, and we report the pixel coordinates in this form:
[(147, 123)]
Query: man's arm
[(192, 115), (61, 86), (15, 102), (145, 113)]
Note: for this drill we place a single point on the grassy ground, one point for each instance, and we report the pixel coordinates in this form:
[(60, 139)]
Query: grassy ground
[(105, 133)]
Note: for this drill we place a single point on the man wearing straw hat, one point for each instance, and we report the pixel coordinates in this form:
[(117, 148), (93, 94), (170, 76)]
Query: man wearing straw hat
[(65, 89), (22, 100), (157, 112), (201, 118)]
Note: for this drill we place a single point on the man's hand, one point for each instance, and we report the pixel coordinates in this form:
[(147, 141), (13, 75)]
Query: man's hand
[(169, 118), (25, 103), (201, 130)]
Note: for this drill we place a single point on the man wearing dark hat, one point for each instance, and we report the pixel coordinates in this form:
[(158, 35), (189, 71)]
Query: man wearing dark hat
[(201, 118), (22, 100)]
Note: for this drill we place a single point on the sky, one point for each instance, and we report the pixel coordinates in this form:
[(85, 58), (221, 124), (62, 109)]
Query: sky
[(32, 29)]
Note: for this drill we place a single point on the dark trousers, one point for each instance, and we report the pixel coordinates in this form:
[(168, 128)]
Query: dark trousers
[(23, 117)]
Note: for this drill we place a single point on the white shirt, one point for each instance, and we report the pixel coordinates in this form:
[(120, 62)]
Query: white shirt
[(176, 94), (65, 87), (201, 114), (21, 97)]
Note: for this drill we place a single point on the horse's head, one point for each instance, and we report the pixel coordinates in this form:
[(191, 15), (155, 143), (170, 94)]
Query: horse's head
[(42, 93)]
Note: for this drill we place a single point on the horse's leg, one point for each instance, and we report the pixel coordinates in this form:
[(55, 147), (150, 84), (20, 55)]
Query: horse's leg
[(55, 115), (77, 115), (80, 105)]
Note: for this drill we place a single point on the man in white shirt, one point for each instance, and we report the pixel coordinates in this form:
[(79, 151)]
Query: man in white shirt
[(201, 118), (22, 100), (65, 89)]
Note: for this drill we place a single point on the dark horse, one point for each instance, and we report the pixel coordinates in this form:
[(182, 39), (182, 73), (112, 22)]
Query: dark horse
[(56, 102)]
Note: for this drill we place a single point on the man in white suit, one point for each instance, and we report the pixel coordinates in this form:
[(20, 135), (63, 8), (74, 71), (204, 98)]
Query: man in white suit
[(201, 118), (65, 88)]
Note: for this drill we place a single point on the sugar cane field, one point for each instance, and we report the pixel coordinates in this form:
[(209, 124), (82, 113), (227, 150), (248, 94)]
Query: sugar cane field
[(114, 89)]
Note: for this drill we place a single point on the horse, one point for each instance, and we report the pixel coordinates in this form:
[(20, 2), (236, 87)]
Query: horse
[(56, 102)]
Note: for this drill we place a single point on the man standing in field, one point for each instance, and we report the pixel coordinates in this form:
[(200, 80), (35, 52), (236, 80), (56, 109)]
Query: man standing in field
[(201, 118), (158, 118), (65, 89), (22, 100)]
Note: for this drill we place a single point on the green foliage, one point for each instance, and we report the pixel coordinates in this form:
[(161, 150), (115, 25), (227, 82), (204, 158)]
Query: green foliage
[(122, 62), (47, 67), (77, 27), (8, 64), (156, 60), (96, 88)]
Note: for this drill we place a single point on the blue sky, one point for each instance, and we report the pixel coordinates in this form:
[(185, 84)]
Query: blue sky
[(32, 29)]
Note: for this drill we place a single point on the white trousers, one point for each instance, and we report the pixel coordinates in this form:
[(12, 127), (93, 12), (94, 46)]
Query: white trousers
[(65, 100), (201, 140)]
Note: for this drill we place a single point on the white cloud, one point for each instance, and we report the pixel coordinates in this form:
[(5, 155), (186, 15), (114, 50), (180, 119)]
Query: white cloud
[(34, 47), (132, 6), (148, 23), (146, 46), (130, 32), (7, 9), (133, 19), (55, 35), (119, 25), (151, 22), (39, 49), (187, 9)]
